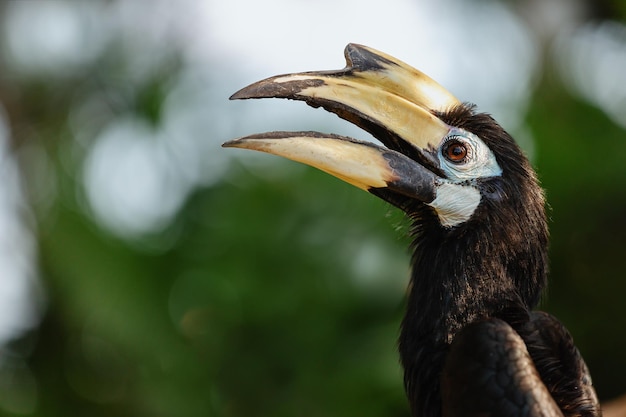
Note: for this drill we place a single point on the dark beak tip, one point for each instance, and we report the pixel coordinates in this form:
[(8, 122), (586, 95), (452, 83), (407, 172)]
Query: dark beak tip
[(240, 95), (234, 143), (258, 89), (268, 88)]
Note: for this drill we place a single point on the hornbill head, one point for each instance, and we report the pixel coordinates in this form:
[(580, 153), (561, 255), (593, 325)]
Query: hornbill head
[(477, 211), (455, 172)]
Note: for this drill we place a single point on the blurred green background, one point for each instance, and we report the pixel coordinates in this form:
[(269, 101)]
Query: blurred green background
[(145, 271)]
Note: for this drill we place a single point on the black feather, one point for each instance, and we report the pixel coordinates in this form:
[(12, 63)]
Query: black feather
[(493, 266)]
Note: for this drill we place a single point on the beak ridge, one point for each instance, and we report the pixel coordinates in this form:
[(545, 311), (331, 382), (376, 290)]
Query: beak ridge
[(382, 95)]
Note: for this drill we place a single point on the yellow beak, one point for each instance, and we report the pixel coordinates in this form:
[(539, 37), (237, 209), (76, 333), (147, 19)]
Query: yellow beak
[(396, 103)]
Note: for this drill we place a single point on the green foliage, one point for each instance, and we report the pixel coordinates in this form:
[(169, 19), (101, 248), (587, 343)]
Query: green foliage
[(255, 310), (583, 173)]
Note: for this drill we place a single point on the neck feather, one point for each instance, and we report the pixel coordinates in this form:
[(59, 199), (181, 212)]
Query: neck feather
[(486, 268)]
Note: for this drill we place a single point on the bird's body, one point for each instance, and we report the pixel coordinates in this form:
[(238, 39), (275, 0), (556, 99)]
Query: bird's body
[(470, 343)]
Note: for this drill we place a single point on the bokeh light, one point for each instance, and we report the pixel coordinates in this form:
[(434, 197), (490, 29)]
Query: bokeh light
[(591, 60)]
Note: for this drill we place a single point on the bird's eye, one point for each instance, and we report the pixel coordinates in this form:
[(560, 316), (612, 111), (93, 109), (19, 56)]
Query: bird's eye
[(455, 151)]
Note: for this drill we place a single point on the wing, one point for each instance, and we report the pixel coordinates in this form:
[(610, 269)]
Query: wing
[(489, 372), (560, 365)]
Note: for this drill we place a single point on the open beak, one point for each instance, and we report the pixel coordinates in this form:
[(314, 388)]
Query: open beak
[(384, 96)]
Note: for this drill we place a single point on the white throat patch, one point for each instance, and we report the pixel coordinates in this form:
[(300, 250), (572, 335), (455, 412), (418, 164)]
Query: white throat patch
[(455, 203)]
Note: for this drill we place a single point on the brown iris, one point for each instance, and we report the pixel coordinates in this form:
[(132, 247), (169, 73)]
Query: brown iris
[(455, 151)]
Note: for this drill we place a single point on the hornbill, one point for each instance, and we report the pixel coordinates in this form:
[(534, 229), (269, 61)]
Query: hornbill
[(470, 343)]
